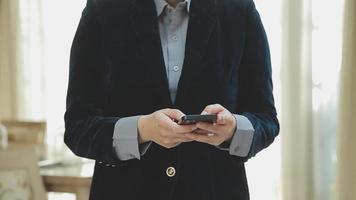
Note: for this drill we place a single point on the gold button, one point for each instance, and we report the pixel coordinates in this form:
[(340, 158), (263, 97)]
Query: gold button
[(170, 171)]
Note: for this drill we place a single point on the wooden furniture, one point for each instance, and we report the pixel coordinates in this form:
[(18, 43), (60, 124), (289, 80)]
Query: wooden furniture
[(69, 178), (19, 175), (24, 134)]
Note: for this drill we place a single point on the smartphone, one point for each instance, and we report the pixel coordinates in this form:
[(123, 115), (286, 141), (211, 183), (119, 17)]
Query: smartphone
[(192, 119)]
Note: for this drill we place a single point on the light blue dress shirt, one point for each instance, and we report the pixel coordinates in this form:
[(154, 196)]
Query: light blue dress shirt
[(173, 26)]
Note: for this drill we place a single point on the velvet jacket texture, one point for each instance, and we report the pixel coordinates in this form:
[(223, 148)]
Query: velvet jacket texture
[(117, 70)]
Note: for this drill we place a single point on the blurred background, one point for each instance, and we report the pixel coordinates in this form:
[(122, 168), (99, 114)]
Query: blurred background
[(313, 50)]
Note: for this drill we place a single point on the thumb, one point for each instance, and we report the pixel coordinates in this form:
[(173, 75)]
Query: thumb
[(173, 113)]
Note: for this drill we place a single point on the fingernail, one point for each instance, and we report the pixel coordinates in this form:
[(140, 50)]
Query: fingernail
[(204, 113), (211, 134)]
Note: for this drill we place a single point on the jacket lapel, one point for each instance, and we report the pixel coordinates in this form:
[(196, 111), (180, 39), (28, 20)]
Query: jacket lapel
[(202, 20), (145, 25)]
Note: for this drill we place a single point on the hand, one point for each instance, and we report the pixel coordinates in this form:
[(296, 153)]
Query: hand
[(218, 132), (160, 128)]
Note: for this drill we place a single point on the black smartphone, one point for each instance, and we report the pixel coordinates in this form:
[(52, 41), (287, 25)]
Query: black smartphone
[(192, 119)]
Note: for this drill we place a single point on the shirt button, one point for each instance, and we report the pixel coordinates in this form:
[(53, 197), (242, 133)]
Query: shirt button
[(170, 171), (176, 68), (174, 38)]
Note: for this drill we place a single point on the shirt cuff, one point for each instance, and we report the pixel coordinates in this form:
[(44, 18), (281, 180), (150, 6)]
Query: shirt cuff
[(241, 141), (125, 139)]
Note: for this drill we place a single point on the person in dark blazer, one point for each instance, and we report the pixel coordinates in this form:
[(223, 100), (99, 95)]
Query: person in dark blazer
[(138, 65)]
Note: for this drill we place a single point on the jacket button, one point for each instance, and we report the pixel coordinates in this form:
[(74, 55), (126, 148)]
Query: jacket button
[(170, 171)]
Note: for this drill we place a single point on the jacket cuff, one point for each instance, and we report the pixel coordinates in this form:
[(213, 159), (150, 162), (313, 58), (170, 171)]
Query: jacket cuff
[(125, 139), (241, 142)]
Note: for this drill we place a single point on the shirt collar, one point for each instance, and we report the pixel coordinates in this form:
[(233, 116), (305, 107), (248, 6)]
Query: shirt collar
[(161, 4)]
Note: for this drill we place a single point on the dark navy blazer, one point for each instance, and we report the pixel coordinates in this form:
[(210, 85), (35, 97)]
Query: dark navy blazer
[(117, 70)]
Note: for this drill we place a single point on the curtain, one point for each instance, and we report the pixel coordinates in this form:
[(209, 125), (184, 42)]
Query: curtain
[(9, 52), (21, 60), (56, 58), (346, 181), (311, 59), (296, 127), (35, 41)]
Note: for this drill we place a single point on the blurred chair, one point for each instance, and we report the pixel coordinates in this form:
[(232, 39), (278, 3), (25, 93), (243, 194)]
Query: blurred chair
[(19, 175), (22, 134)]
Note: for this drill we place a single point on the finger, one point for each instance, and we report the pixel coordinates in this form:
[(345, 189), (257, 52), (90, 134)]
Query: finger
[(174, 140), (200, 131), (170, 146), (169, 135), (203, 132), (178, 136), (173, 113), (212, 128), (223, 117), (181, 140), (174, 127), (213, 109), (209, 139)]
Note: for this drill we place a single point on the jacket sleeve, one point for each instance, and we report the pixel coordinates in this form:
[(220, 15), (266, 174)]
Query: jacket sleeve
[(88, 132), (255, 85)]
